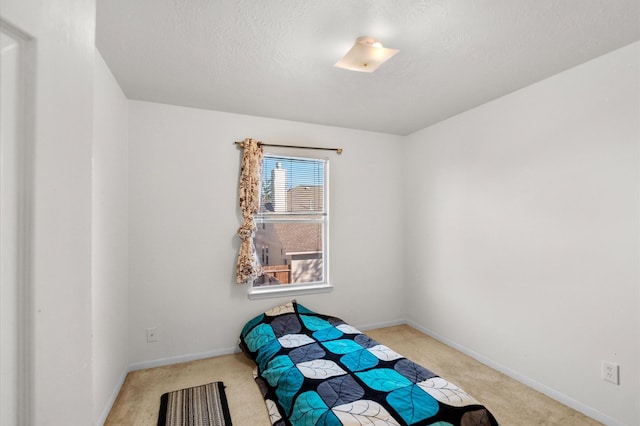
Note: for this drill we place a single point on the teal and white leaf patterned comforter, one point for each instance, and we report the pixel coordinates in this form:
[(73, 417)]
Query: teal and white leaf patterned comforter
[(314, 369)]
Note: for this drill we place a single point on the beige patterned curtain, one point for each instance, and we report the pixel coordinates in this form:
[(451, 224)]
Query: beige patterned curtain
[(249, 268)]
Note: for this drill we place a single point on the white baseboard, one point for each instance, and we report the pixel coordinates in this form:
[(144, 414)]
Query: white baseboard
[(381, 325), (227, 351), (181, 358), (552, 393), (112, 399)]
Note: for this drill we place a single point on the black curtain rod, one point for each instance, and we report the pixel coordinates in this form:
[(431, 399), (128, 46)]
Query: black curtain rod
[(338, 150)]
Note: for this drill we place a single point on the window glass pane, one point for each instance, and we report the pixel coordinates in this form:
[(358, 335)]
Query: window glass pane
[(292, 185), (290, 253)]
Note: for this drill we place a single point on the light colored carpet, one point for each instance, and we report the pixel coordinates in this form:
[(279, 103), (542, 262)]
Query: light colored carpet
[(511, 402)]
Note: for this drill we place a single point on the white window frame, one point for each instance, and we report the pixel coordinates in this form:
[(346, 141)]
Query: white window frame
[(285, 290)]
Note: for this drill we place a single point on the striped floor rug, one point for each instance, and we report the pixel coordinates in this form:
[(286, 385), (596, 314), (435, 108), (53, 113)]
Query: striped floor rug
[(204, 405)]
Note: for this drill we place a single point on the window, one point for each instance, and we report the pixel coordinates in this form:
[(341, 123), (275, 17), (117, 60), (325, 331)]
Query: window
[(292, 226)]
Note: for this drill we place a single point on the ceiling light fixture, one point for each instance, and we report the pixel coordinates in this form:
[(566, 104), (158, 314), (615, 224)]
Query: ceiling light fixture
[(366, 55)]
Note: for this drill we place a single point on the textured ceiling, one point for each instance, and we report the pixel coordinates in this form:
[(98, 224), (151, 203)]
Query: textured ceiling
[(275, 58)]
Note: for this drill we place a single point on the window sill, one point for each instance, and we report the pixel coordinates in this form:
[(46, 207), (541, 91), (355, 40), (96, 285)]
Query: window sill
[(285, 290)]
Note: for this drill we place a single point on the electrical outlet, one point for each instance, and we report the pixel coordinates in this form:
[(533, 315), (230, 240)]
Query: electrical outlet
[(152, 335), (611, 372)]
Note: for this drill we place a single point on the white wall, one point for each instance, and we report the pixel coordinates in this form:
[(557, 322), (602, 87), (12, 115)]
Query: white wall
[(183, 217), (109, 240), (522, 233), (60, 275)]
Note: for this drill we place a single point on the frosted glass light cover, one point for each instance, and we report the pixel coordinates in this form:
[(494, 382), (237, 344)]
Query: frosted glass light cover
[(366, 55)]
